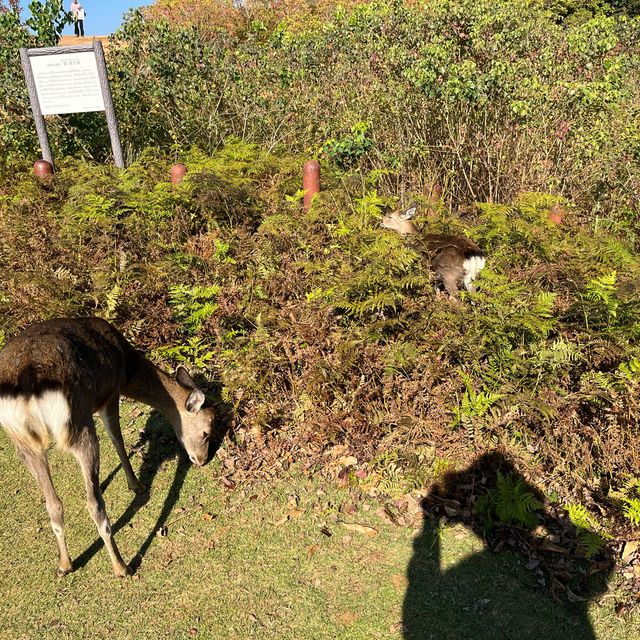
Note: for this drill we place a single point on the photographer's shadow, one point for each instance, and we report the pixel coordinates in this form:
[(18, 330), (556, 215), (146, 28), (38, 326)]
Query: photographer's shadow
[(489, 595)]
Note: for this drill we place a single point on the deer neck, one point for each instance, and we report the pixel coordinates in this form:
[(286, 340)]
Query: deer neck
[(157, 389), (406, 227)]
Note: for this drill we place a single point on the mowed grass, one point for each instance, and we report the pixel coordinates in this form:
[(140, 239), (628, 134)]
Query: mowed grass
[(214, 562)]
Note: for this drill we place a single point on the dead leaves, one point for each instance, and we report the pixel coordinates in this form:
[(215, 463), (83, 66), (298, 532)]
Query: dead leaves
[(385, 514), (630, 561), (346, 618), (572, 597), (400, 582), (359, 528), (290, 515), (554, 548), (229, 484), (630, 551)]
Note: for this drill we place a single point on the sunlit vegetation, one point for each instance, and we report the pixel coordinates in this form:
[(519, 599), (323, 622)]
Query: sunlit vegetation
[(320, 326)]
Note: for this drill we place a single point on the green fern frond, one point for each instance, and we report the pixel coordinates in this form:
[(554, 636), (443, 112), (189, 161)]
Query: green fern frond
[(397, 472), (374, 303), (401, 357), (610, 250), (631, 498), (474, 404), (514, 502), (592, 543), (192, 306), (579, 516), (544, 303), (587, 527), (631, 510), (630, 369), (112, 301), (556, 356), (510, 502)]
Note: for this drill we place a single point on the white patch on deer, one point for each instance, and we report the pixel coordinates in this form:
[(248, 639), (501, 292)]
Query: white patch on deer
[(472, 267), (13, 415), (30, 421)]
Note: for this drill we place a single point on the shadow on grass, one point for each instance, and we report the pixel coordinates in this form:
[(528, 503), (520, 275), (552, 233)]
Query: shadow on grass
[(162, 446), (490, 595)]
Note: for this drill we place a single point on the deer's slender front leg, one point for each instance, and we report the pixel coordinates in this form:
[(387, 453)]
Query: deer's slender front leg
[(87, 451), (110, 415), (450, 283), (36, 462)]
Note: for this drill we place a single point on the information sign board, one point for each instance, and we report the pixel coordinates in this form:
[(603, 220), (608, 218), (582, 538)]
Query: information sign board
[(69, 80), (67, 83)]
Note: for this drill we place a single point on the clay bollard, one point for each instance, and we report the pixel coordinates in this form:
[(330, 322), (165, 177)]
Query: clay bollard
[(557, 213), (310, 182), (178, 172), (42, 169)]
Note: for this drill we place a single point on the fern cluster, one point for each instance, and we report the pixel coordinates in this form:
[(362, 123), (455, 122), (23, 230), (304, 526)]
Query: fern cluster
[(511, 502), (473, 405), (192, 306), (630, 497), (588, 529), (396, 472)]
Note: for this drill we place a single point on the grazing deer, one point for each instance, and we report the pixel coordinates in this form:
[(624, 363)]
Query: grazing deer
[(454, 259), (55, 375)]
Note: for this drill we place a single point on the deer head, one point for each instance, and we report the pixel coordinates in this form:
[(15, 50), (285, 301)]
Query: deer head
[(401, 221)]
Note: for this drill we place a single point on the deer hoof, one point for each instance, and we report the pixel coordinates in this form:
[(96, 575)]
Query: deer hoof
[(124, 571), (138, 488), (63, 571)]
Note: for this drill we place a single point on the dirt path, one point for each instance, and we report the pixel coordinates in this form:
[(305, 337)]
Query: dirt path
[(66, 41)]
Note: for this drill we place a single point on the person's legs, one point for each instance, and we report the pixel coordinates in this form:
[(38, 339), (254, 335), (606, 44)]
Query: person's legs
[(81, 22), (76, 28)]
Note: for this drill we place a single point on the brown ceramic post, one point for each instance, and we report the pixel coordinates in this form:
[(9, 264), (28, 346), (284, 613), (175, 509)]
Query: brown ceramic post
[(310, 182), (557, 213), (42, 169), (177, 173)]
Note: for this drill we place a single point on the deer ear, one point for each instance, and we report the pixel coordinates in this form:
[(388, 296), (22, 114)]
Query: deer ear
[(184, 379), (194, 401), (410, 212)]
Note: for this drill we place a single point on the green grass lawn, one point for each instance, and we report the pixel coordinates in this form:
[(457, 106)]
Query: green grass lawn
[(225, 565)]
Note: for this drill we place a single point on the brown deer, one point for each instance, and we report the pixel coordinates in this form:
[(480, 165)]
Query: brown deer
[(454, 259), (55, 375)]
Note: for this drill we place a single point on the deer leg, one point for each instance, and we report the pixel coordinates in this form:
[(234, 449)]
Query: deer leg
[(450, 281), (87, 451), (36, 462), (110, 415), (468, 283)]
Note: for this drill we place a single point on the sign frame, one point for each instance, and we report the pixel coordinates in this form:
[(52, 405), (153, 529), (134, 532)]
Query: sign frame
[(109, 111)]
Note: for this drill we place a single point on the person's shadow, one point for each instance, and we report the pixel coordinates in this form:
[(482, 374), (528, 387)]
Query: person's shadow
[(161, 446), (491, 595)]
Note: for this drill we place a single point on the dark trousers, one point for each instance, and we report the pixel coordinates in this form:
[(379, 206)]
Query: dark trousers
[(78, 28)]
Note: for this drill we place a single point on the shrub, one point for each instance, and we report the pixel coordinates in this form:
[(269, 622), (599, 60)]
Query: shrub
[(488, 99)]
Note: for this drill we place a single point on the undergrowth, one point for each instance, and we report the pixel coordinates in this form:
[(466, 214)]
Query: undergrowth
[(324, 326)]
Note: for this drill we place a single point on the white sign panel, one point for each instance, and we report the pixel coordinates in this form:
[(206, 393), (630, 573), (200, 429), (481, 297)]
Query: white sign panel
[(67, 83)]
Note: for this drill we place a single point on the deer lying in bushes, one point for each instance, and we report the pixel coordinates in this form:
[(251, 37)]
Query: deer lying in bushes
[(55, 375), (454, 259)]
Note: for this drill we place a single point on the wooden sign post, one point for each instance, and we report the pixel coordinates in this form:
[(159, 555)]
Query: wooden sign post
[(69, 80)]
